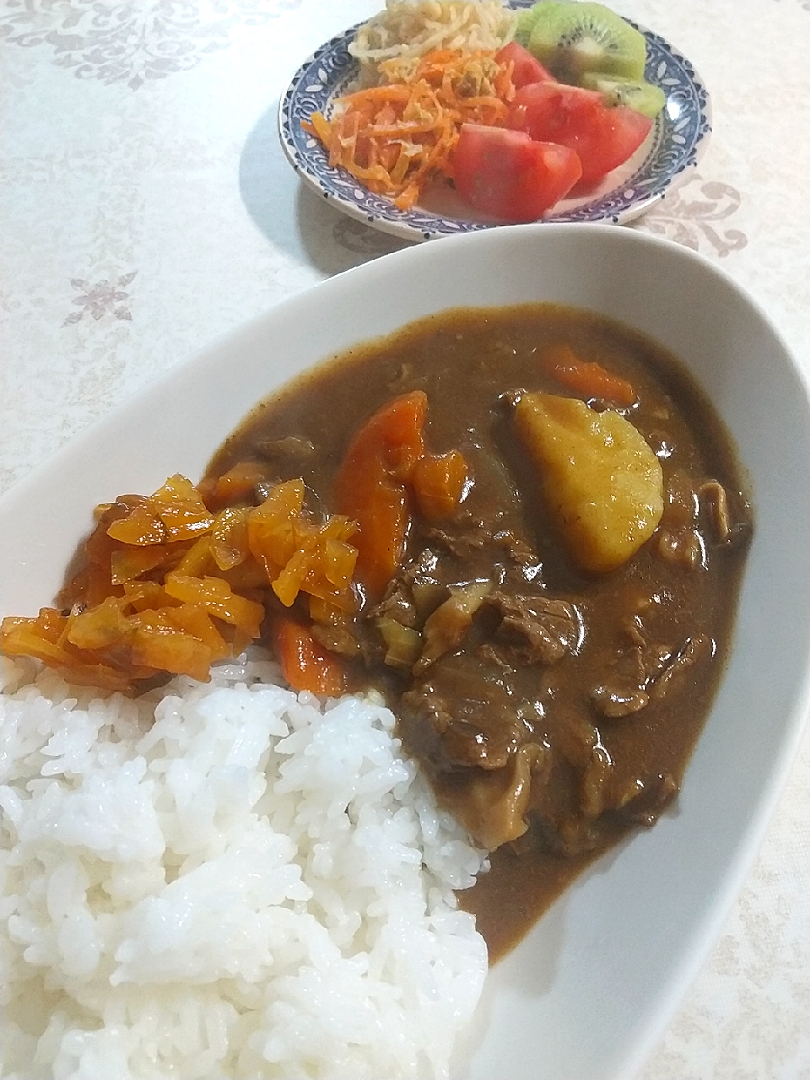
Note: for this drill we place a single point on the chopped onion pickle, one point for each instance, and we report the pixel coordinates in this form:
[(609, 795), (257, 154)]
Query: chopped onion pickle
[(156, 594)]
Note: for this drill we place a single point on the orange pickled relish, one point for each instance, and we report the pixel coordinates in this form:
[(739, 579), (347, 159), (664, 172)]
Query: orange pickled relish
[(175, 581)]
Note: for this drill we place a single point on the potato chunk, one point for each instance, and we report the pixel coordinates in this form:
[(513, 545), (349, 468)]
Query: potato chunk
[(602, 482)]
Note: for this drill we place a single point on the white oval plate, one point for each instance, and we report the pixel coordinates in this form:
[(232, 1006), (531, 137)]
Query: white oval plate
[(586, 993), (678, 138)]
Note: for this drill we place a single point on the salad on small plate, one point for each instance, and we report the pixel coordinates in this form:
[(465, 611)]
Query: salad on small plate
[(453, 116)]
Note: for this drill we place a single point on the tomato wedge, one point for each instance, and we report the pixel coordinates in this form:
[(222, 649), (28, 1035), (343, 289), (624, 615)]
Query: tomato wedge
[(509, 175), (525, 67), (552, 111), (603, 136)]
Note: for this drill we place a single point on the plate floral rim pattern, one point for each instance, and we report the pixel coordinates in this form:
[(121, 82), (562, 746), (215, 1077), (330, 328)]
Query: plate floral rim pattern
[(678, 138)]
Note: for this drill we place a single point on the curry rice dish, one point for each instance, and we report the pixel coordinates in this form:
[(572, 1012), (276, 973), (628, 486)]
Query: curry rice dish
[(534, 527)]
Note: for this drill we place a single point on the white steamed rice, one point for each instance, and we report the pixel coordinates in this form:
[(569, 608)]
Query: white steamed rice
[(247, 887)]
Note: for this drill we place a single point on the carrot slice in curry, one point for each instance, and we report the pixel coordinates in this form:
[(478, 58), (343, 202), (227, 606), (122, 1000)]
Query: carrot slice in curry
[(304, 663), (588, 379), (371, 486), (438, 483)]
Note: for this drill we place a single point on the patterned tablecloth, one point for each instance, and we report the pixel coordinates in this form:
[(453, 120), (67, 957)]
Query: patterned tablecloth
[(146, 209)]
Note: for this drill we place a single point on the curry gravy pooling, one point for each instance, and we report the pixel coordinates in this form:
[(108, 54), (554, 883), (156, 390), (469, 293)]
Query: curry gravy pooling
[(587, 692)]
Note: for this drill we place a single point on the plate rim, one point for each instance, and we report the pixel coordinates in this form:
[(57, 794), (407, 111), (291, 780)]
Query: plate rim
[(396, 222)]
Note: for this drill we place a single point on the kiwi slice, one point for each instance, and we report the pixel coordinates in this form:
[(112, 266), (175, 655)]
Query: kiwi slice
[(527, 17), (571, 38), (641, 96)]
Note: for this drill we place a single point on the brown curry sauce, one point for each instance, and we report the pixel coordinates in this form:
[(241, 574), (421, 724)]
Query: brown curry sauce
[(656, 631)]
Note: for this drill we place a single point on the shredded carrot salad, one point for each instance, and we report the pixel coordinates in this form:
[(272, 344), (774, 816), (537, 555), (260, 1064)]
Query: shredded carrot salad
[(396, 137)]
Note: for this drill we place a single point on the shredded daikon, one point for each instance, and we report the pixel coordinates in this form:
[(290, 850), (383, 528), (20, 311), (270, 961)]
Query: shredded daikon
[(408, 29)]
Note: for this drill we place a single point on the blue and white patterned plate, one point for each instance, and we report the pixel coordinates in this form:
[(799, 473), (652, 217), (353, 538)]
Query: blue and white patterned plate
[(678, 137)]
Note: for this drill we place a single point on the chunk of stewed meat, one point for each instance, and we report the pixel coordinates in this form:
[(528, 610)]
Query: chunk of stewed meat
[(471, 539), (572, 736), (644, 671), (542, 629), (645, 801), (693, 649), (465, 711), (639, 800), (615, 700), (678, 539), (494, 806), (397, 604)]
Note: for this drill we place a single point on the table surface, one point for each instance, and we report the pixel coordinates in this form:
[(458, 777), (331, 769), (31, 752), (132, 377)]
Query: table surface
[(146, 208)]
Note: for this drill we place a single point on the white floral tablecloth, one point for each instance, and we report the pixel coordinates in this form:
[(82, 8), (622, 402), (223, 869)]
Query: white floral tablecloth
[(146, 208)]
